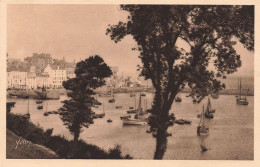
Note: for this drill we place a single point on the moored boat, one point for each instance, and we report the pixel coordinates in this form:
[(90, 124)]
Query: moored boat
[(39, 101), (202, 129), (40, 107), (140, 120), (241, 100)]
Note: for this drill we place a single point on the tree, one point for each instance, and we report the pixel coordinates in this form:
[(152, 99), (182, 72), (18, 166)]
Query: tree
[(210, 33), (76, 111)]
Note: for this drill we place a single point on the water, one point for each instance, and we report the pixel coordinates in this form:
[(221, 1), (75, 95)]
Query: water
[(231, 132)]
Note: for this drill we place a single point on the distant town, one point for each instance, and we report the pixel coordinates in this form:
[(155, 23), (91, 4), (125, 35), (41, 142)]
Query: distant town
[(41, 70)]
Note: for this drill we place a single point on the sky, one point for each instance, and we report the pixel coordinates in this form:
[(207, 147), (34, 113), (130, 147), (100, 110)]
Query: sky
[(77, 32)]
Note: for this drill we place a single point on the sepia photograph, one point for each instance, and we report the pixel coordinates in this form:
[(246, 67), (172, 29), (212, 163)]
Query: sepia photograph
[(130, 81)]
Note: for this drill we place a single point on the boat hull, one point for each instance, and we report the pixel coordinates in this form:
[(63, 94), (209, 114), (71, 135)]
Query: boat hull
[(133, 122)]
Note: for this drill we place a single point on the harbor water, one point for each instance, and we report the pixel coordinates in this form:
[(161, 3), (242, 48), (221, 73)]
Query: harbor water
[(231, 132)]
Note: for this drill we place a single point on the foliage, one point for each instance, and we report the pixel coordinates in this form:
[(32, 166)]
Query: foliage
[(76, 111), (209, 31), (59, 144)]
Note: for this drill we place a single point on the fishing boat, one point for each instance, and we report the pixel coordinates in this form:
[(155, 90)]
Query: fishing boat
[(46, 113), (241, 100), (139, 120), (96, 102), (203, 148), (125, 117), (178, 98), (182, 121), (40, 107), (209, 111), (113, 99), (131, 111), (38, 101), (202, 129), (27, 115)]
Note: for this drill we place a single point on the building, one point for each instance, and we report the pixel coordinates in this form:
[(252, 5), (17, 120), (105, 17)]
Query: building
[(70, 73), (56, 76), (17, 79)]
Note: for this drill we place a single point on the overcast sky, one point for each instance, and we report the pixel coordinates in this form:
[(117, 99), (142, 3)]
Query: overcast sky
[(76, 32)]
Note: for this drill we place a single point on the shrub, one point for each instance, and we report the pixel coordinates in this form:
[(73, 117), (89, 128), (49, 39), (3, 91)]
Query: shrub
[(59, 144)]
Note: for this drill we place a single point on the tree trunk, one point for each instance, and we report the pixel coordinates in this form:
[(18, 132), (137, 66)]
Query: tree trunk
[(161, 145), (76, 137)]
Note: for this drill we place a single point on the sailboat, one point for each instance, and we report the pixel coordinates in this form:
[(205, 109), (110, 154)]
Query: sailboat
[(202, 129), (209, 111), (27, 116), (132, 111), (139, 120), (112, 100), (46, 112), (178, 98), (240, 99)]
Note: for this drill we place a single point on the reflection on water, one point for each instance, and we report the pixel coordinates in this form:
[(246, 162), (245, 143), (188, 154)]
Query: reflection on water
[(231, 132)]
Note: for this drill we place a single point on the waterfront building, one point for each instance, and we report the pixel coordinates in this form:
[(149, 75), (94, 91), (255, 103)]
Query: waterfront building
[(17, 79), (70, 73), (56, 76)]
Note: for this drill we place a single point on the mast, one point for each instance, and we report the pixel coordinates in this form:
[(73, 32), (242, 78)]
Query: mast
[(203, 116), (28, 107), (240, 89), (135, 102), (103, 107), (46, 105), (139, 106), (209, 105)]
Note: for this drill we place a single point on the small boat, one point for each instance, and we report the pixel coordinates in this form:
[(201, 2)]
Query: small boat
[(46, 113), (131, 108), (94, 116), (209, 115), (109, 120), (182, 121), (241, 100), (112, 100), (142, 94), (187, 122), (97, 103), (203, 148), (131, 111), (178, 98), (101, 115), (209, 111), (202, 129), (118, 107), (27, 116), (125, 117), (139, 120), (40, 107), (39, 101)]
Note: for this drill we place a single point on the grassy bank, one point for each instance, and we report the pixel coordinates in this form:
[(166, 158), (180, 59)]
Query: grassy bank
[(25, 150), (61, 146)]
